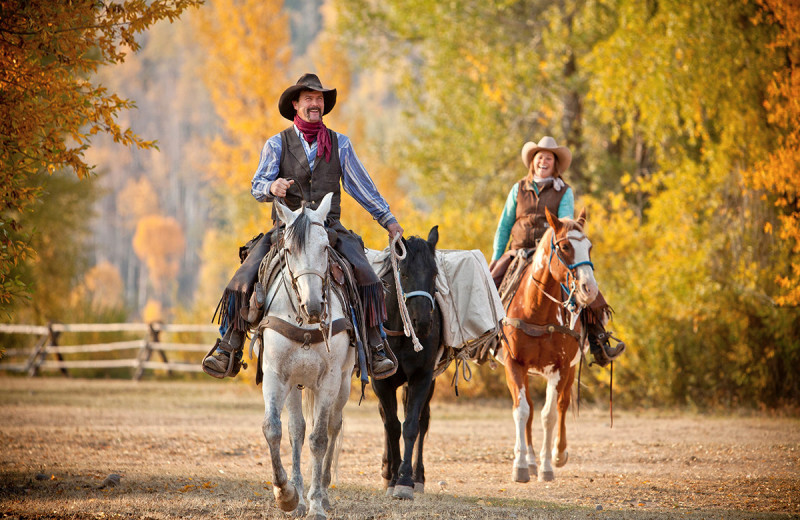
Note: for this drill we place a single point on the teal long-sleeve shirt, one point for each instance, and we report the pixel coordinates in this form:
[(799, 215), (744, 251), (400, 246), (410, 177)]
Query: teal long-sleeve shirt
[(509, 215)]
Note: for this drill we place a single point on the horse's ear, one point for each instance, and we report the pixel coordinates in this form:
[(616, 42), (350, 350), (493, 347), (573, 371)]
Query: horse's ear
[(286, 215), (324, 207), (582, 217), (433, 237), (552, 220)]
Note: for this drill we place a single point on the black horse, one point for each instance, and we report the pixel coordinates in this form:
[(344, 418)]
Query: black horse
[(415, 369)]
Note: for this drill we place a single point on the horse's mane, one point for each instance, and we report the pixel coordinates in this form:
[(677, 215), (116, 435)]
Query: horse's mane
[(297, 233)]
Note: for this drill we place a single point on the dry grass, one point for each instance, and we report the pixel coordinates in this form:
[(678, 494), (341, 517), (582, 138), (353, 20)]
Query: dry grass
[(195, 450)]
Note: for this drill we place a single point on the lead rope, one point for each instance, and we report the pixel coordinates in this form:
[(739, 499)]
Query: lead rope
[(401, 301), (611, 395)]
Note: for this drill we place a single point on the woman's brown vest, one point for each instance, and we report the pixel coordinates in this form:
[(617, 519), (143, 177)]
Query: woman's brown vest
[(307, 187), (531, 221)]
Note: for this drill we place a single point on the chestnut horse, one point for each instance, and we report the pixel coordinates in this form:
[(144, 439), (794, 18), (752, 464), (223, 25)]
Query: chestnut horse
[(543, 336)]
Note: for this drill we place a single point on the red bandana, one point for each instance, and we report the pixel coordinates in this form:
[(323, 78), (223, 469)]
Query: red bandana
[(312, 131)]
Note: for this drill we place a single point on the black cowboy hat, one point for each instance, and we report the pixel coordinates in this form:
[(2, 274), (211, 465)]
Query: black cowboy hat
[(306, 82)]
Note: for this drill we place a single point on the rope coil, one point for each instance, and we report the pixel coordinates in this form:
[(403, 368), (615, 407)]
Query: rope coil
[(408, 330)]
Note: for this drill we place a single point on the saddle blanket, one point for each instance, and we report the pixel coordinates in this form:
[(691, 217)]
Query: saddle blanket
[(465, 293)]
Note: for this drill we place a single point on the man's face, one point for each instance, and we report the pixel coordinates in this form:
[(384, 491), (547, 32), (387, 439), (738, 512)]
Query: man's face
[(309, 106), (543, 164)]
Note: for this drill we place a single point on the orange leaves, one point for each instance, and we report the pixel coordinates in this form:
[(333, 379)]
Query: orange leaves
[(778, 174), (160, 242)]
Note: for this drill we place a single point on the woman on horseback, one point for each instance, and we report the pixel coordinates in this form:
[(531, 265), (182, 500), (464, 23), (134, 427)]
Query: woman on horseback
[(523, 220)]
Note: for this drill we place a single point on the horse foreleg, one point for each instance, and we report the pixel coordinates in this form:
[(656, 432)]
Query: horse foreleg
[(418, 390), (517, 381), (424, 424), (530, 455), (297, 435), (335, 436), (318, 445), (275, 392), (560, 453), (387, 405), (549, 416)]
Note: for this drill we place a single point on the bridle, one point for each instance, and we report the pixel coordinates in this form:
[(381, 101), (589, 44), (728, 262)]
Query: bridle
[(568, 288), (295, 276)]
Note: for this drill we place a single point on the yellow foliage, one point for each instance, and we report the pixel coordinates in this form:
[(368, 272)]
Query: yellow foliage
[(247, 56), (779, 174), (159, 242), (153, 311), (103, 285), (136, 200)]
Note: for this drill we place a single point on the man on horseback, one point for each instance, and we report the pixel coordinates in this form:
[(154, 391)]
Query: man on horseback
[(524, 221), (301, 165)]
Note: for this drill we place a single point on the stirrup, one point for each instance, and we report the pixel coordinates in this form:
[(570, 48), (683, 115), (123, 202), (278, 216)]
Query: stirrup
[(390, 356), (605, 353), (234, 364)]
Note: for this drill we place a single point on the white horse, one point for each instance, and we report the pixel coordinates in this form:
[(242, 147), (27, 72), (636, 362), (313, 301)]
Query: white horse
[(302, 357)]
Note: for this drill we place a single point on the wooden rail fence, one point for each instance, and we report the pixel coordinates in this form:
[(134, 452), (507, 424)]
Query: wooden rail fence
[(35, 358)]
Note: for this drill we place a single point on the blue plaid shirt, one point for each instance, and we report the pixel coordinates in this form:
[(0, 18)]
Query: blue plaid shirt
[(355, 179)]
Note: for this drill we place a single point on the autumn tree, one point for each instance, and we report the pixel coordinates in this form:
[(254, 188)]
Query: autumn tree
[(247, 49), (779, 174), (159, 242), (670, 121), (49, 109)]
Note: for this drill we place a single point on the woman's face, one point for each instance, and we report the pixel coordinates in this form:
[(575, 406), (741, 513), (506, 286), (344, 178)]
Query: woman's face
[(543, 164)]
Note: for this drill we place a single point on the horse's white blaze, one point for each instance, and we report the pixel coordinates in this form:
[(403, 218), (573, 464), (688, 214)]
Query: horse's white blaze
[(587, 285)]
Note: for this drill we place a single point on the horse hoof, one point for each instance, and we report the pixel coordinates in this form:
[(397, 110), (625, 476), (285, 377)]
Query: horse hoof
[(300, 511), (533, 470), (317, 516), (390, 491), (403, 492), (520, 474), (287, 498), (562, 459), (547, 476), (419, 487), (326, 504)]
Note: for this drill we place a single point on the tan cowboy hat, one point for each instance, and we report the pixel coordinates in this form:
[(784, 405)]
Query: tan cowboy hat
[(306, 82), (563, 154)]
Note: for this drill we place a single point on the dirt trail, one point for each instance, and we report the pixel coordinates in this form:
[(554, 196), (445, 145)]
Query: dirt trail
[(190, 450)]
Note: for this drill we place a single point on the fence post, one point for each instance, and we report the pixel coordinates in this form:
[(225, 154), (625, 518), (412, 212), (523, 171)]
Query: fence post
[(155, 338), (40, 352), (32, 365)]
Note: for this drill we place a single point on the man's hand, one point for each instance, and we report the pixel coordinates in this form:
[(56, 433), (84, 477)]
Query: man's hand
[(279, 187), (395, 229)]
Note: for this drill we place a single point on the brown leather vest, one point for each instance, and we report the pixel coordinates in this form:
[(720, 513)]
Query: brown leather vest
[(531, 221), (310, 187)]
